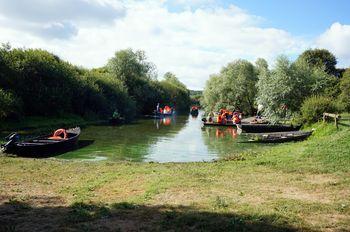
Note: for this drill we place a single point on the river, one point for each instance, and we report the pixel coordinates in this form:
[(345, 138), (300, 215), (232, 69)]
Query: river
[(177, 139)]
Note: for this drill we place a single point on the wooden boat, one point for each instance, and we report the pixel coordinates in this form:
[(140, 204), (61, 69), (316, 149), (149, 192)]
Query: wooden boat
[(278, 137), (163, 115), (229, 123), (263, 128), (42, 146), (194, 111)]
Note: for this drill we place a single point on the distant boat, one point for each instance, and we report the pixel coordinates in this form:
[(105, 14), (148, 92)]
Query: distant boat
[(43, 146), (166, 112), (278, 137), (194, 111)]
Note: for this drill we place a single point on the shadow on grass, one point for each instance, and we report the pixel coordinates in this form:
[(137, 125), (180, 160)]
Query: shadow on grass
[(21, 216)]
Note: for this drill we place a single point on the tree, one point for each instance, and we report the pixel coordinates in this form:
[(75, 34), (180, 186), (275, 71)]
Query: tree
[(320, 58), (233, 88), (282, 90), (9, 104), (136, 73), (175, 93), (344, 96)]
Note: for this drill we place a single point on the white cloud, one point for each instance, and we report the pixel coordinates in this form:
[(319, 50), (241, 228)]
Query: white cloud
[(337, 39), (190, 43)]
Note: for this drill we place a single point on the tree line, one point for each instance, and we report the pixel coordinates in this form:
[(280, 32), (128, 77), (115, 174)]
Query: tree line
[(301, 90), (35, 82)]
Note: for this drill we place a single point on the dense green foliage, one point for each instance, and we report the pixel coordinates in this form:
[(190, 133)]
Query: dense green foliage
[(320, 58), (314, 106), (34, 82), (282, 90), (138, 75), (8, 104), (345, 90), (195, 96), (233, 88)]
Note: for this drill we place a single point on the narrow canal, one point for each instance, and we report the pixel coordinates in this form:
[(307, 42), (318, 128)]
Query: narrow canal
[(177, 139)]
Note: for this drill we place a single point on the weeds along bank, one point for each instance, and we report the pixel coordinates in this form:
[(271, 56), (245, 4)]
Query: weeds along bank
[(292, 187), (34, 82)]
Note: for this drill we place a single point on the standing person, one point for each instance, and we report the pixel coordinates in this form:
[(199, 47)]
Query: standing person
[(157, 109)]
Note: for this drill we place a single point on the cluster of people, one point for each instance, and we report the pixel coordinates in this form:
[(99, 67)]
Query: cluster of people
[(225, 116), (165, 110)]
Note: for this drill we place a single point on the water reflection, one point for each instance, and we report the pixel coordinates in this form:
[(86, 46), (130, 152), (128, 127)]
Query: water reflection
[(170, 139), (166, 121)]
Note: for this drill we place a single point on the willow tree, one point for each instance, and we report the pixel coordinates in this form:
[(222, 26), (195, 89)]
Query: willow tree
[(233, 88), (282, 90)]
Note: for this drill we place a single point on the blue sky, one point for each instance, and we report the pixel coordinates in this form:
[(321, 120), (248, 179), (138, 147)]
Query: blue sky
[(193, 39), (300, 17)]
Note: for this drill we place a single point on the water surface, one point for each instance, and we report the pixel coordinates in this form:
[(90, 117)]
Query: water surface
[(177, 139)]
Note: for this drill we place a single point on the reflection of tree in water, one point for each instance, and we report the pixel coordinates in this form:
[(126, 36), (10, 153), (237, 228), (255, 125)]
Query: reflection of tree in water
[(126, 142), (226, 141)]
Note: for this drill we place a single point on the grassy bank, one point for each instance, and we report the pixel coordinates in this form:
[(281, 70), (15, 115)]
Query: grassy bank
[(292, 187)]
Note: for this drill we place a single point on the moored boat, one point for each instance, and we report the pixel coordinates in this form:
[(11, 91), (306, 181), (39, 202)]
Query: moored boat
[(166, 112), (228, 123), (48, 145), (194, 111), (262, 128), (278, 137)]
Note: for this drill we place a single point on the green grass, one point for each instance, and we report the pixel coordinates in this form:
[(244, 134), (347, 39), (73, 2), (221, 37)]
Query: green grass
[(301, 186)]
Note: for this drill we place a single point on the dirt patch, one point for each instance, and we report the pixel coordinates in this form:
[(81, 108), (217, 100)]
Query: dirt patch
[(178, 197), (321, 179), (329, 222)]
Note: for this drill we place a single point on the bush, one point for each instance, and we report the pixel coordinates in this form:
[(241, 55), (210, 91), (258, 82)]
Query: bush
[(9, 105), (344, 96), (313, 108)]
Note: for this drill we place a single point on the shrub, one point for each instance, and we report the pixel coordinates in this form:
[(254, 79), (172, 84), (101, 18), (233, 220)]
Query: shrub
[(9, 104), (313, 108), (344, 96)]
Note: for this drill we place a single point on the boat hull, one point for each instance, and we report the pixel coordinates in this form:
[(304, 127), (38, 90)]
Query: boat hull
[(262, 128), (279, 137), (218, 124), (43, 147)]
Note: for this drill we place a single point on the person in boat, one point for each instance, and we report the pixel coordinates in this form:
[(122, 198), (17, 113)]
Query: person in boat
[(236, 117), (157, 108), (115, 115), (210, 117)]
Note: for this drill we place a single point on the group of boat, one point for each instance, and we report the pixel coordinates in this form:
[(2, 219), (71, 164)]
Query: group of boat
[(257, 129), (63, 140)]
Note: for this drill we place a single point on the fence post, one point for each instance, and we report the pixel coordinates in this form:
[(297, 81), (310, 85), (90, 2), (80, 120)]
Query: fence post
[(336, 121)]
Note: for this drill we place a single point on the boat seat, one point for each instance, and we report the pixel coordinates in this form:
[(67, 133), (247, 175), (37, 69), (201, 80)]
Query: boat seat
[(46, 141)]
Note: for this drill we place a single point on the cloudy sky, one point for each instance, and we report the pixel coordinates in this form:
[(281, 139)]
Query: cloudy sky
[(192, 39)]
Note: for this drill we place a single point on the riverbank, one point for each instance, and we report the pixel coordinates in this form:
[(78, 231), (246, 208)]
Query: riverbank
[(291, 187), (30, 123)]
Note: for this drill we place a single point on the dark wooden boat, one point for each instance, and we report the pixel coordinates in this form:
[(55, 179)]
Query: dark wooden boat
[(194, 111), (263, 128), (278, 137), (230, 123), (163, 115), (42, 146)]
